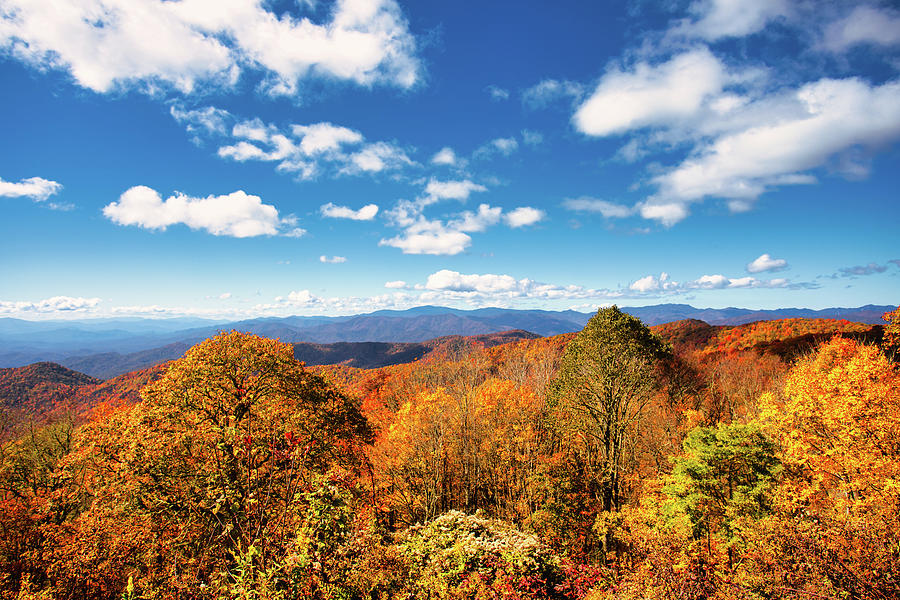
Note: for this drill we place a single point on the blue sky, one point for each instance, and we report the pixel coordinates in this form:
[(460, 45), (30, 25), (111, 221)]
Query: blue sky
[(237, 158)]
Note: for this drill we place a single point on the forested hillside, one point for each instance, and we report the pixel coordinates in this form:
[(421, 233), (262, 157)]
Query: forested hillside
[(621, 462)]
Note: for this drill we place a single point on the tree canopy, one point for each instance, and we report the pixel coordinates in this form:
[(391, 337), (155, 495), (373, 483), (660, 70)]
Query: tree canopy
[(607, 376)]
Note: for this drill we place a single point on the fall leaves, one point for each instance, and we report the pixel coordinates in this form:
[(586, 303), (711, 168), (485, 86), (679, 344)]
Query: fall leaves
[(598, 465)]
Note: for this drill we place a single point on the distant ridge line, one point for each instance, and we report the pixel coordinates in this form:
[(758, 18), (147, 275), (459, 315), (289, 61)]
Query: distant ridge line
[(93, 345)]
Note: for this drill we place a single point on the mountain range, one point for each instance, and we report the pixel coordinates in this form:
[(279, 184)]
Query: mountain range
[(107, 347)]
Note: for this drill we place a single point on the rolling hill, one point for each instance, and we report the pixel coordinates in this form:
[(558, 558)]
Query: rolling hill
[(105, 347)]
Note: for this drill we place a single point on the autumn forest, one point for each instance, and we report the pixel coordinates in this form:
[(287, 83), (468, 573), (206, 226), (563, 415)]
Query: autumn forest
[(680, 461)]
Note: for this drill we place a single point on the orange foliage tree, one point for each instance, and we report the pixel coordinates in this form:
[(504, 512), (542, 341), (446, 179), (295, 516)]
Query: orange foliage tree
[(839, 506), (892, 331), (209, 470)]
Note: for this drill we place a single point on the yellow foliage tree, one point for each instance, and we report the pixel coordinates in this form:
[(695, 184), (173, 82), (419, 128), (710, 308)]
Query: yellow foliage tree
[(840, 424)]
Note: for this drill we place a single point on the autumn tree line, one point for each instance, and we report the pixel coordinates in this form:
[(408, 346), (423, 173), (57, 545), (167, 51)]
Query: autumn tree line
[(607, 464)]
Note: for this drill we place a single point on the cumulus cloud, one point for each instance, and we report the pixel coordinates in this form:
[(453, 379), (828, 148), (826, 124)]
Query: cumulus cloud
[(332, 259), (300, 300), (429, 237), (206, 121), (448, 237), (741, 146), (610, 210), (667, 213), (738, 131), (472, 222), (445, 156), (718, 282), (498, 289), (502, 146), (711, 282), (523, 216), (377, 157), (308, 150), (453, 280), (549, 91), (56, 304), (766, 263), (717, 19), (366, 213), (822, 120), (864, 25), (109, 44), (650, 95), (651, 285), (452, 190), (422, 235), (320, 138), (447, 286), (395, 285), (237, 214), (36, 188)]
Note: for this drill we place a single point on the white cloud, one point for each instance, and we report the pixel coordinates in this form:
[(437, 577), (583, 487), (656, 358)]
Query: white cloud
[(207, 120), (610, 210), (865, 25), (504, 146), (333, 260), (429, 237), (651, 95), (711, 282), (305, 300), (109, 44), (452, 190), (717, 19), (225, 296), (310, 149), (523, 216), (825, 118), (56, 304), (237, 214), (450, 235), (443, 287), (432, 236), (719, 282), (497, 93), (377, 157), (470, 222), (739, 131), (450, 287), (324, 137), (645, 284), (744, 282), (445, 156), (549, 91), (650, 285), (36, 188), (244, 151), (366, 213), (667, 213), (766, 263), (532, 138), (453, 280)]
